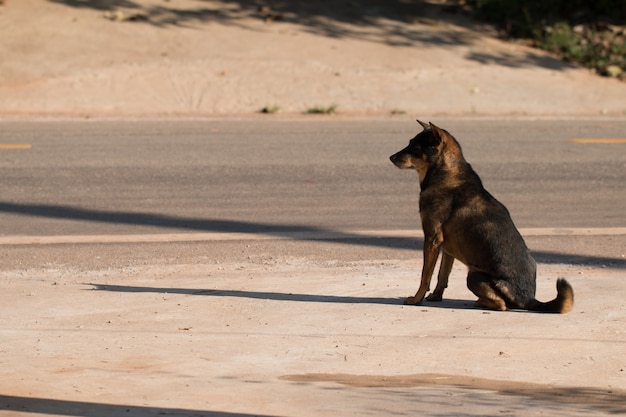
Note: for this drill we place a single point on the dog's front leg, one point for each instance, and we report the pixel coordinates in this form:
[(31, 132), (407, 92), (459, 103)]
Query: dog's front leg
[(432, 247), (442, 279)]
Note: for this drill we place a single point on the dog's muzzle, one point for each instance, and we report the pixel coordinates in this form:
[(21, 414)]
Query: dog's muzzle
[(395, 158)]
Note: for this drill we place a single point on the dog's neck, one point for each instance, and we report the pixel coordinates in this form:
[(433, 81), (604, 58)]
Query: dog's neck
[(447, 165), (421, 173)]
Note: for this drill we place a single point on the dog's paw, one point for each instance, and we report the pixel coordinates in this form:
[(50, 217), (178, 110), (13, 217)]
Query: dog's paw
[(434, 297), (412, 301)]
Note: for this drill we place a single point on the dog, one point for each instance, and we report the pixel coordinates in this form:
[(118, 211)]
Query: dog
[(463, 221)]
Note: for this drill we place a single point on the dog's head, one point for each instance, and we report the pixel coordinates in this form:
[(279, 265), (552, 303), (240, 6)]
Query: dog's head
[(423, 150)]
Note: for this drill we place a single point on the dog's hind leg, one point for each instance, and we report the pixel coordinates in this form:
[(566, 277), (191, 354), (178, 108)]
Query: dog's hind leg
[(442, 279), (480, 284)]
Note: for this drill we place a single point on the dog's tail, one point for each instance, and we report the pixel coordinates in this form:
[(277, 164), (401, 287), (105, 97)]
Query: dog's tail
[(561, 304)]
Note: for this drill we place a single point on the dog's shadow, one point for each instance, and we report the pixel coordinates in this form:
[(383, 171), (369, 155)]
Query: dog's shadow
[(278, 296)]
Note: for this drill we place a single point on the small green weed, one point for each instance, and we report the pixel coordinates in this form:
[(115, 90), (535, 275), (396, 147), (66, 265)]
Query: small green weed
[(322, 109), (270, 109)]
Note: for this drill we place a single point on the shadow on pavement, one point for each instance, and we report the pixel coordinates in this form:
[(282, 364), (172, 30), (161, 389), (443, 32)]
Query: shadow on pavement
[(544, 398), (296, 232), (277, 296), (88, 409)]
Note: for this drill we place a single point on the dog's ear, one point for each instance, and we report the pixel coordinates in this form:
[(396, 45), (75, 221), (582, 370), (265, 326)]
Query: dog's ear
[(434, 140), (438, 133), (424, 125)]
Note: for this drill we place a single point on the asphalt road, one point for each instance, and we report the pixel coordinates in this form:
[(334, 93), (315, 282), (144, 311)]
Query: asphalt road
[(280, 176)]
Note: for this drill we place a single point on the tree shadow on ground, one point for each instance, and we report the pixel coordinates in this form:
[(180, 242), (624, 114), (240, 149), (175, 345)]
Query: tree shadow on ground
[(519, 60), (391, 21), (417, 23), (551, 399), (295, 232)]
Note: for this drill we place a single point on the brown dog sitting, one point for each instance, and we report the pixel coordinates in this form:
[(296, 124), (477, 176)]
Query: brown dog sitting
[(463, 221)]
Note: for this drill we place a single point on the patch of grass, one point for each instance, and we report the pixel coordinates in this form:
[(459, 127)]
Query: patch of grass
[(322, 109), (397, 112), (589, 33), (603, 51)]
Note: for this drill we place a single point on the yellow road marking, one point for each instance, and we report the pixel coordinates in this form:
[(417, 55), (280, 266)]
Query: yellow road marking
[(598, 140), (15, 146)]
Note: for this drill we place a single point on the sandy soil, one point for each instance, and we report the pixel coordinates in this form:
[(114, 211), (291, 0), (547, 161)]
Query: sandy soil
[(191, 57)]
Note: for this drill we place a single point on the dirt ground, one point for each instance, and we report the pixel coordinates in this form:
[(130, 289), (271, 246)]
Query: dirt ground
[(198, 58), (270, 329)]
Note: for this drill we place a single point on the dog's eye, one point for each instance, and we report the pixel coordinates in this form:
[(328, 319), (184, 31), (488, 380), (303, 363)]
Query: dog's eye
[(431, 151)]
